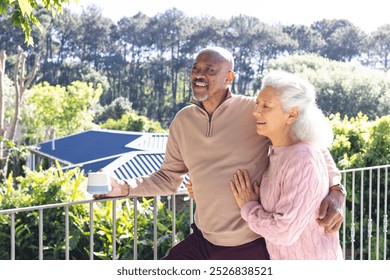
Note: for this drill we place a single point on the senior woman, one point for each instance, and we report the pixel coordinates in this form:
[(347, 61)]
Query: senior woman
[(285, 207)]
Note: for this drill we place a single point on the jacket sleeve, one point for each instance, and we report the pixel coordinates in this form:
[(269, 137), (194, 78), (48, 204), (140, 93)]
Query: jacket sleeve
[(333, 171), (168, 178)]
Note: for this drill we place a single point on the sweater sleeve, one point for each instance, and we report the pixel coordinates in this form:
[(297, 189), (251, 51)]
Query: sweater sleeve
[(334, 172), (168, 178), (301, 191)]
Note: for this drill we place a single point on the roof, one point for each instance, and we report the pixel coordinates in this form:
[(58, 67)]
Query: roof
[(95, 149), (136, 164)]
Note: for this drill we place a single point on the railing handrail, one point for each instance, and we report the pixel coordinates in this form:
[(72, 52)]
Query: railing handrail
[(64, 204), (365, 168), (184, 191)]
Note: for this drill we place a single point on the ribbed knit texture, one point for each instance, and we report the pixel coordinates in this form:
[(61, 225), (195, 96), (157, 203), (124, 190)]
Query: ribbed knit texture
[(292, 189)]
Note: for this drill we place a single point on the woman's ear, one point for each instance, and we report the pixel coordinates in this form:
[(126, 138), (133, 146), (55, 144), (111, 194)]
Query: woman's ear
[(293, 115)]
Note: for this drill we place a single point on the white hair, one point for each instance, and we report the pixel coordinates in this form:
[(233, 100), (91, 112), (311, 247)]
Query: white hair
[(311, 125)]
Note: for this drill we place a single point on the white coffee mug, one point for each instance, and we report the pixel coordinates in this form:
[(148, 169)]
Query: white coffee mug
[(98, 183)]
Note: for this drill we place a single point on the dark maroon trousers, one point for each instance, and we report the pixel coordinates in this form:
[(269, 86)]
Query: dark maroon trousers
[(196, 247)]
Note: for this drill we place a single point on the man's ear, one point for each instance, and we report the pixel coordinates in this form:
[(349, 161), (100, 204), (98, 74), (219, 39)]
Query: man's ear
[(230, 77), (293, 115)]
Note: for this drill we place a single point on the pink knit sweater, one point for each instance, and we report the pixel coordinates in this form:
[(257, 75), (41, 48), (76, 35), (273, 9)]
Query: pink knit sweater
[(291, 191)]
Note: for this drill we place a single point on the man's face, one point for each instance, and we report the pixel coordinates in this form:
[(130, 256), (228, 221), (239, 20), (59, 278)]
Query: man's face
[(209, 76)]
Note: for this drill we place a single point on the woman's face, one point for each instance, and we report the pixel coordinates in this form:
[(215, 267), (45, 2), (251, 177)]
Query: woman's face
[(271, 120)]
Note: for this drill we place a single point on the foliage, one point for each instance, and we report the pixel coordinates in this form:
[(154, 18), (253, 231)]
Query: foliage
[(360, 142), (23, 14), (39, 188), (363, 143), (338, 83), (17, 156), (146, 60), (133, 122), (55, 186), (119, 107), (55, 111)]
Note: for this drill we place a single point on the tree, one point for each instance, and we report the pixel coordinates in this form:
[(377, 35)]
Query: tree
[(309, 40), (379, 44), (21, 83), (55, 111), (343, 39), (343, 88), (23, 16)]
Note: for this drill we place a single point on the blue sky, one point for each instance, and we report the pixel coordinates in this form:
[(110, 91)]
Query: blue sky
[(368, 15)]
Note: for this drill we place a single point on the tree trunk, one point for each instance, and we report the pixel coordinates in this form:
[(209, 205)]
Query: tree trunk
[(21, 83), (2, 107)]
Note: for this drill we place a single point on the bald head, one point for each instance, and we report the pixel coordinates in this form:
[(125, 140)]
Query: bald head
[(221, 52)]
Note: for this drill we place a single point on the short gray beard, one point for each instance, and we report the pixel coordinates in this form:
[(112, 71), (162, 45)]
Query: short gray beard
[(202, 98)]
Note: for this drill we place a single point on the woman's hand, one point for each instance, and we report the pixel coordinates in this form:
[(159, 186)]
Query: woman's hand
[(189, 189), (242, 190)]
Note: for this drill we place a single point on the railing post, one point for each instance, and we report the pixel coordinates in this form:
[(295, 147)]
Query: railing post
[(369, 226), (114, 229), (66, 232), (385, 216), (40, 234), (12, 236), (135, 251), (378, 207), (173, 219), (155, 212), (353, 218), (361, 212), (91, 231)]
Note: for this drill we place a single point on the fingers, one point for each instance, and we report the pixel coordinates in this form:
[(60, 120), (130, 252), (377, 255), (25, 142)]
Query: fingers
[(99, 196), (247, 179), (323, 209), (237, 183), (234, 190), (256, 188), (332, 221), (188, 185)]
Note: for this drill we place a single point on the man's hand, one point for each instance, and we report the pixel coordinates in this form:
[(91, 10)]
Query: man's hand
[(118, 188), (332, 211)]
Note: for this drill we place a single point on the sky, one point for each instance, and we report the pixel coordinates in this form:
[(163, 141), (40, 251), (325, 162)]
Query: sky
[(367, 15)]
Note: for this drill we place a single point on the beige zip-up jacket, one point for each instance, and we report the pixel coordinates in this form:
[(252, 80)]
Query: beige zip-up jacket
[(211, 149)]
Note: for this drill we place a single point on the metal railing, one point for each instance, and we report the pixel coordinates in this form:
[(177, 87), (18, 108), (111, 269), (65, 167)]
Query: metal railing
[(366, 215), (362, 236)]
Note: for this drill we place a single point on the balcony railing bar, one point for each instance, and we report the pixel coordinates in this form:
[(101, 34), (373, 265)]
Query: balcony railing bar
[(155, 229), (114, 229), (135, 252), (378, 207), (40, 234), (361, 209), (91, 239), (12, 236), (385, 216), (66, 232)]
